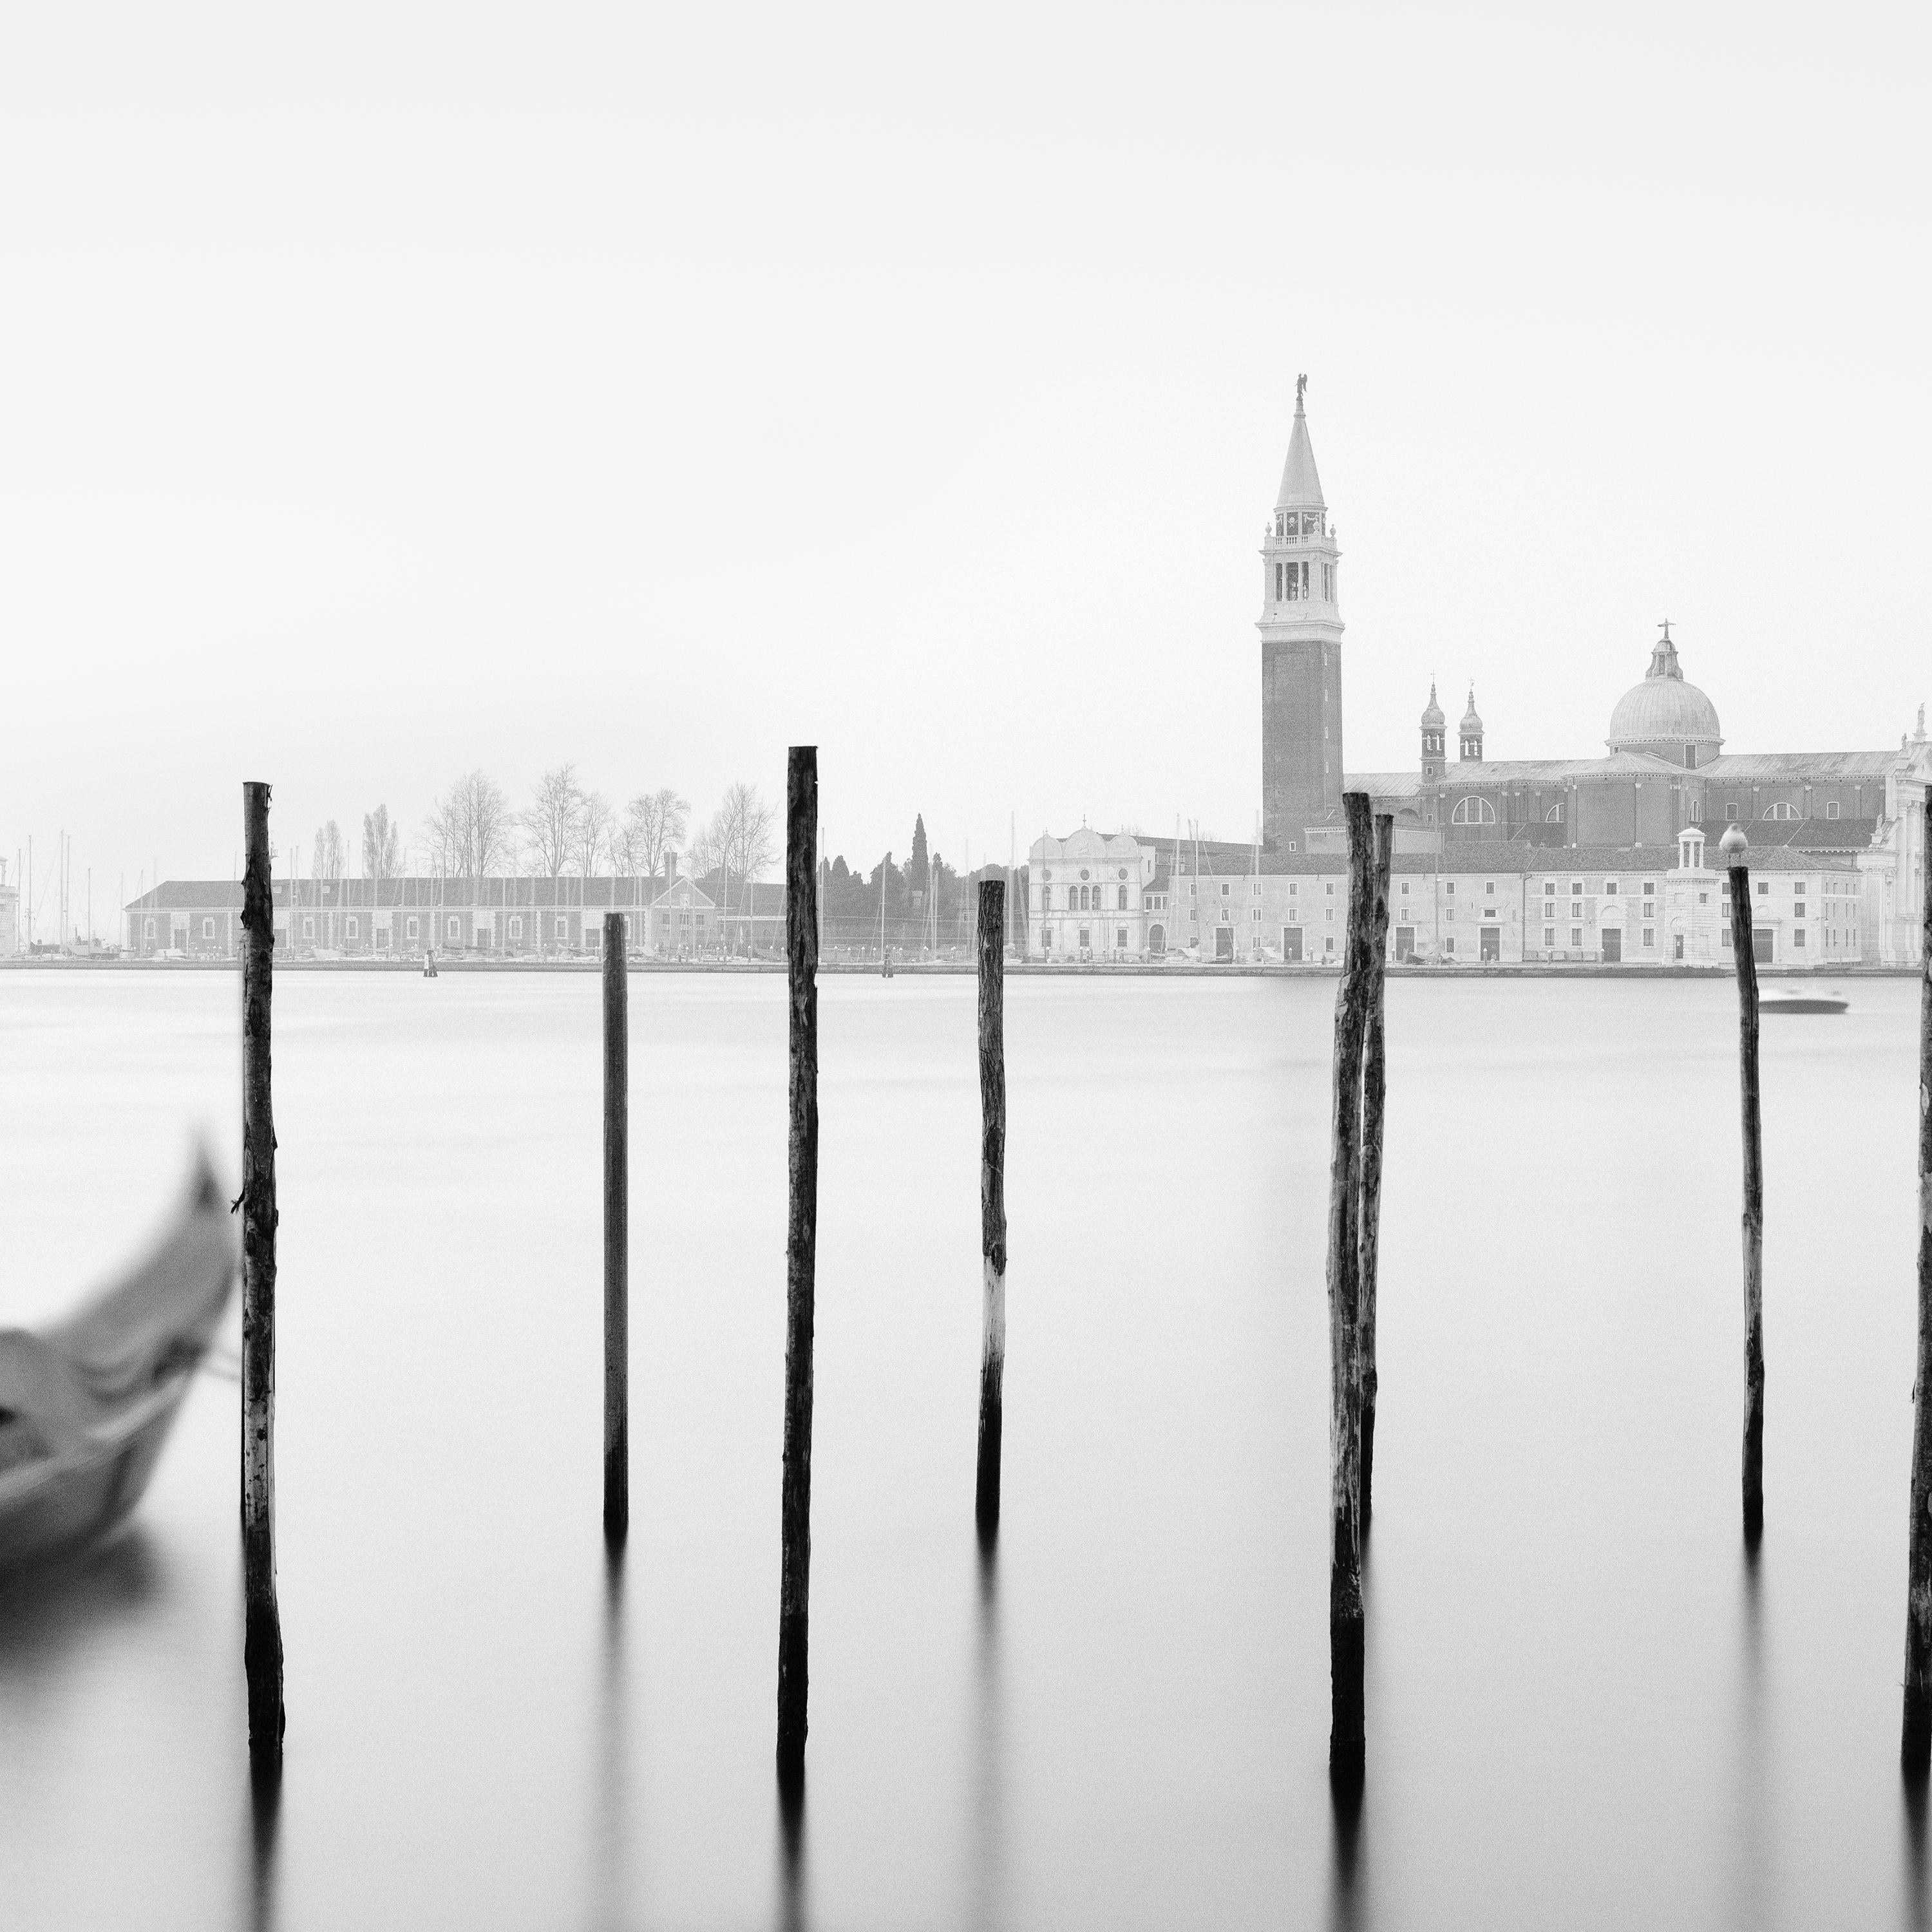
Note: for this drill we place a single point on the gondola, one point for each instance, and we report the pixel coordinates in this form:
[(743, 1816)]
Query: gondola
[(86, 1403)]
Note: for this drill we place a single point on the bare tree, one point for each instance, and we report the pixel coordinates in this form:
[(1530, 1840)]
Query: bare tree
[(327, 858), (655, 823), (471, 829), (739, 838), (594, 827), (705, 853), (742, 827), (553, 819), (381, 858)]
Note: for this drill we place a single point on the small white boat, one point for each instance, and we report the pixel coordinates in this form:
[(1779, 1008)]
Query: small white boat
[(1799, 1000), (86, 1403)]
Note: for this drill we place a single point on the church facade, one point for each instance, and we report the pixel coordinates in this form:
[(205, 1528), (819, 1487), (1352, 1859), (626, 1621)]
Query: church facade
[(1604, 860)]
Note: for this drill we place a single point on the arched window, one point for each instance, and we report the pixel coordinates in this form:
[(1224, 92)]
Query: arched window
[(1473, 811), (1780, 811), (1554, 816), (1123, 899)]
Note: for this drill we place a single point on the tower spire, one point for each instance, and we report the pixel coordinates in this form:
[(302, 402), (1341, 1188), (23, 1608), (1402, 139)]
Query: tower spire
[(1301, 636)]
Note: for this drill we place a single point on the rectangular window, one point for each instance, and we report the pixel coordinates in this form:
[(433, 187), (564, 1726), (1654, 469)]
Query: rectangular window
[(1490, 887), (208, 929), (1449, 944), (308, 928), (1255, 913), (1291, 583), (1609, 889), (1798, 910), (414, 928), (516, 925), (1277, 584), (1404, 888), (1549, 935), (1328, 944), (1650, 935), (1797, 935), (1549, 889), (1549, 909), (1724, 935), (1576, 889), (1831, 808), (1451, 889), (1575, 909), (563, 928), (1330, 889), (454, 927), (1731, 810), (1294, 890), (1304, 579), (1331, 915), (1254, 888), (1764, 889), (1797, 885), (1650, 889), (1575, 935), (355, 926), (1226, 889)]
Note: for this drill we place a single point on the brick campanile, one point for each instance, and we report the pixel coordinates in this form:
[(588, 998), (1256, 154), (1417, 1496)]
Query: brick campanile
[(1301, 654)]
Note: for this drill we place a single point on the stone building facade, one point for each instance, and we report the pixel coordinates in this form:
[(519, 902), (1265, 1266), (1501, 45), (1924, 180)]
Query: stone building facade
[(1557, 861), (505, 918)]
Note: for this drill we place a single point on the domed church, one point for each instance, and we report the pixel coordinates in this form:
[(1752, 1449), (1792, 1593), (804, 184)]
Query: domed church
[(1592, 861)]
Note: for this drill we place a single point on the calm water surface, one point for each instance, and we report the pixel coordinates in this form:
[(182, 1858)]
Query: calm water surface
[(1586, 1708)]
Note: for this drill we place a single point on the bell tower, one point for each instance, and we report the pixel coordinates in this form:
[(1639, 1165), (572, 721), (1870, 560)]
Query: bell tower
[(1301, 652)]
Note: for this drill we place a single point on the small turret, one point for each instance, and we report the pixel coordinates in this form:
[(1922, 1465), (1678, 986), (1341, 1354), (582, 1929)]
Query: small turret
[(1472, 732), (1433, 725)]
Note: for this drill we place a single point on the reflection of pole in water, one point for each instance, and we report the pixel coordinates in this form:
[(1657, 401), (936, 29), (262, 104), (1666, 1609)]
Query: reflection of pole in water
[(791, 1854), (987, 1852), (1344, 1892), (1751, 1894), (609, 1866), (265, 1799), (1918, 1915)]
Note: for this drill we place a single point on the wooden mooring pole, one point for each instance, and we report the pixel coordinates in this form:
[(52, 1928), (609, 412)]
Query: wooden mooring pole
[(1346, 1641), (1916, 1747), (617, 1235), (801, 1256), (992, 1202), (262, 1642), (1735, 847), (1375, 1087)]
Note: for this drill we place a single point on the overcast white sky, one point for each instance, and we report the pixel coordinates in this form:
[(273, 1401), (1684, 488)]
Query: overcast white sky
[(388, 392)]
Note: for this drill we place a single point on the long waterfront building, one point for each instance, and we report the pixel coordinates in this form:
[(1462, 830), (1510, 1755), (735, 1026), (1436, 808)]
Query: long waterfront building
[(664, 917)]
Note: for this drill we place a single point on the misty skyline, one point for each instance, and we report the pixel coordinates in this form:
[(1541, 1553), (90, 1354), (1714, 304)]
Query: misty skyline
[(399, 397)]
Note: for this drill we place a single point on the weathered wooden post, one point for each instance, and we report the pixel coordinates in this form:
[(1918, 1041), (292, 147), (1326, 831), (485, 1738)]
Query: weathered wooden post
[(801, 1253), (992, 1200), (1735, 846), (617, 1235), (1346, 1645), (1375, 1084), (1916, 1747), (262, 1642)]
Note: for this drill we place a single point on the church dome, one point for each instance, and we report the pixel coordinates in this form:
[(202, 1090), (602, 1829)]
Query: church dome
[(1665, 715), (1471, 722), (1432, 719)]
